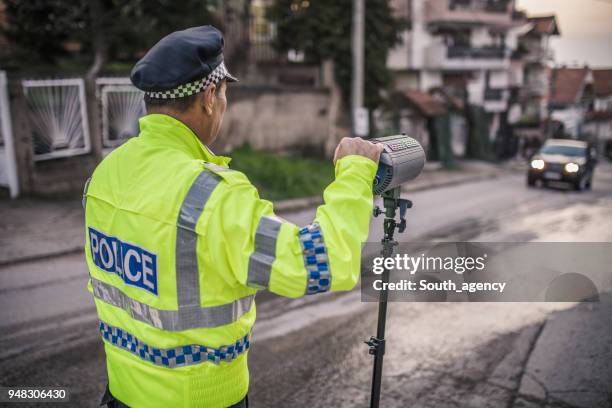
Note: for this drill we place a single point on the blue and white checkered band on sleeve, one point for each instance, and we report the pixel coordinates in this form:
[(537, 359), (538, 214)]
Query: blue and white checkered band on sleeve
[(191, 88), (315, 259), (177, 356)]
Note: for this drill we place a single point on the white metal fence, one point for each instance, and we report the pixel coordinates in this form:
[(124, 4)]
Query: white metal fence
[(122, 105), (58, 114), (8, 167)]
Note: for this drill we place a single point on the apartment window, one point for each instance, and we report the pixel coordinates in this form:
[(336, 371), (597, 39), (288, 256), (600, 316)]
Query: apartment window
[(498, 39), (455, 38), (454, 4), (498, 6)]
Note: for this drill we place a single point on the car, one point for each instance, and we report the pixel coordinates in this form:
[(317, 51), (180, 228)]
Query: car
[(561, 160)]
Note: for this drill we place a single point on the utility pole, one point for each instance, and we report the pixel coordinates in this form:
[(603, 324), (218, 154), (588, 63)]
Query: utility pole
[(359, 115)]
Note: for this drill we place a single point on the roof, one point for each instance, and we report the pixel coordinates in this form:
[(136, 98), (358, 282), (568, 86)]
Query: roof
[(544, 25), (602, 82), (425, 103), (567, 85)]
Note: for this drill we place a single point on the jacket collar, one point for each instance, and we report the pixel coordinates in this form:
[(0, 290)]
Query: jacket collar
[(164, 130)]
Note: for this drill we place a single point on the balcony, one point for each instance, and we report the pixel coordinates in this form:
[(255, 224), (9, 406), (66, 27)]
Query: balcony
[(535, 87), (476, 52), (487, 12), (539, 55), (439, 56)]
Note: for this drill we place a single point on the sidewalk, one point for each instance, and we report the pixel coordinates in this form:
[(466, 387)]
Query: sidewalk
[(569, 364), (36, 228)]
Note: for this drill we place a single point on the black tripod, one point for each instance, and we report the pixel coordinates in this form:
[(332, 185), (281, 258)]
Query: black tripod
[(391, 202)]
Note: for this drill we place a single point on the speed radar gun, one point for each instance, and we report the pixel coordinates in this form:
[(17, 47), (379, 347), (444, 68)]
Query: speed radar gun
[(402, 160)]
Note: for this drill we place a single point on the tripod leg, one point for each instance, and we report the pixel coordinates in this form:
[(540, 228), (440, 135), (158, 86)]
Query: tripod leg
[(379, 348), (392, 201)]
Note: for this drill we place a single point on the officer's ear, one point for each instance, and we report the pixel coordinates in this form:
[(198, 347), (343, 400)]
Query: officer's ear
[(208, 99)]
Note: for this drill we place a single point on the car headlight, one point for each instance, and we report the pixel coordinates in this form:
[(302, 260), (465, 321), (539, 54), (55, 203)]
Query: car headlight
[(537, 164), (571, 167)]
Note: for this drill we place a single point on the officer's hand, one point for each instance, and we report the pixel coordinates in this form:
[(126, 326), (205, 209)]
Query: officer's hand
[(358, 146)]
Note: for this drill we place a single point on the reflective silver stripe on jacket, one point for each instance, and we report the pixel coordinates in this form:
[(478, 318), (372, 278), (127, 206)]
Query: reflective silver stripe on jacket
[(187, 272), (170, 320), (260, 262)]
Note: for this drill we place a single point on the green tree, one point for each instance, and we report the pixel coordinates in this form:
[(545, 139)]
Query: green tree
[(322, 30), (40, 27), (106, 29)]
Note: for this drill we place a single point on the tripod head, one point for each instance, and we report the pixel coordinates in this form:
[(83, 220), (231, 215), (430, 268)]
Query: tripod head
[(391, 202)]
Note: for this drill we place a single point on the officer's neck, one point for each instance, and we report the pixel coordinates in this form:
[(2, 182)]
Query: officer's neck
[(194, 120)]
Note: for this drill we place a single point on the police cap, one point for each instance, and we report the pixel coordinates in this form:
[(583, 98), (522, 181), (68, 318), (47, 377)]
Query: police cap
[(182, 63)]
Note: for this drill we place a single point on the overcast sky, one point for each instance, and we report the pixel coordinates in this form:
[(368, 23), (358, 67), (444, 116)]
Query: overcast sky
[(586, 29)]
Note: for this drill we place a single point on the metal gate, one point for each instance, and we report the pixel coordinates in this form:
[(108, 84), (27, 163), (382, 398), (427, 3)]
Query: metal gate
[(58, 114), (122, 105), (8, 166)]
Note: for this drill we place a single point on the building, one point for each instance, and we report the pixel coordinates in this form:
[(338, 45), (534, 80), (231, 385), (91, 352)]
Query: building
[(571, 97), (598, 122), (465, 47), (535, 56), (530, 69)]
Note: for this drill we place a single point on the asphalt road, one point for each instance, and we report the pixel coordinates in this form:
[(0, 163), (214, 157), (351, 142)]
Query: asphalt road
[(309, 352)]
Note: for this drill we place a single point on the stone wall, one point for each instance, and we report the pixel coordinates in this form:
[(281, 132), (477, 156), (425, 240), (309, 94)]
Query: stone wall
[(275, 119)]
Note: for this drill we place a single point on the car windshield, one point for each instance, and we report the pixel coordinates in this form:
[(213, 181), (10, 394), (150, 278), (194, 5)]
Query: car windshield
[(564, 150)]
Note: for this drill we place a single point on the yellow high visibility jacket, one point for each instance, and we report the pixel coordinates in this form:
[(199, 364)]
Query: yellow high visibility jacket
[(177, 245)]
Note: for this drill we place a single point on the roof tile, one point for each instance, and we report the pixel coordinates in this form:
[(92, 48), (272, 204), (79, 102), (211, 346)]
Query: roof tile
[(567, 85)]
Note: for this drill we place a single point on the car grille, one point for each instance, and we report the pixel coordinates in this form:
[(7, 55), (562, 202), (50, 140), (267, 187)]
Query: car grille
[(554, 166)]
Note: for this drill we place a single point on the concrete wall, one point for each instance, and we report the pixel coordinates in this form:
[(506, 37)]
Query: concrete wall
[(499, 79), (405, 80), (400, 56), (275, 119), (459, 134), (603, 103), (601, 130), (430, 79), (479, 37), (476, 87), (571, 117)]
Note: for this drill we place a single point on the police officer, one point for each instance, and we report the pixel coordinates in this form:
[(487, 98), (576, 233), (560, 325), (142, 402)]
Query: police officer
[(178, 244)]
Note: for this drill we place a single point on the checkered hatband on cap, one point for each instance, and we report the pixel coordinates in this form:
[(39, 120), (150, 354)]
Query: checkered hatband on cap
[(193, 87)]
